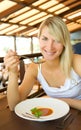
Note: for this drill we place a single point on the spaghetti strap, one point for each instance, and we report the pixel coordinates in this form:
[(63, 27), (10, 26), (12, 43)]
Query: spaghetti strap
[(39, 67)]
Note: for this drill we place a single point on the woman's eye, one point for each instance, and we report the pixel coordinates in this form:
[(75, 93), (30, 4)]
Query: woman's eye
[(56, 41), (44, 38)]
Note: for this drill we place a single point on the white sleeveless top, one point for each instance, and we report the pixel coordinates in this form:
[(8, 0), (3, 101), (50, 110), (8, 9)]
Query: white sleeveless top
[(71, 88)]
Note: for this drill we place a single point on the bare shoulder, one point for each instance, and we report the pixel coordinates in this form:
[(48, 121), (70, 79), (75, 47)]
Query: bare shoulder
[(76, 58), (77, 63)]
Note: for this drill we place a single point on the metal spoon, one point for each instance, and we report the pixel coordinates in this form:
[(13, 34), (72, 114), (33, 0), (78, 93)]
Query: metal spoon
[(29, 115), (38, 61)]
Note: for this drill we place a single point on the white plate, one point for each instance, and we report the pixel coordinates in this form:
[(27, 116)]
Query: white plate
[(60, 108)]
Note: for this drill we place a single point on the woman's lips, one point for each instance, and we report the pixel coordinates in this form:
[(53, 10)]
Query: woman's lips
[(50, 53)]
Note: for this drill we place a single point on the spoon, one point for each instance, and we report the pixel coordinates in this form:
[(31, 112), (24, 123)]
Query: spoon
[(29, 115), (37, 61)]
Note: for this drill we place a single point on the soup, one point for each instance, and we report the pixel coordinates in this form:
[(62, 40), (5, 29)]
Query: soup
[(45, 111), (41, 111)]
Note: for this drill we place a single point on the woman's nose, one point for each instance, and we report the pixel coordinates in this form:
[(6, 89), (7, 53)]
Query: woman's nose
[(51, 45)]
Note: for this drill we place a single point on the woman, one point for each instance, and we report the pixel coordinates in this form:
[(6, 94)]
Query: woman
[(59, 75)]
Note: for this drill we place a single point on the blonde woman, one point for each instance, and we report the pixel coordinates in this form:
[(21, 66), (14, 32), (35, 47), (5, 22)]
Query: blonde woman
[(59, 75)]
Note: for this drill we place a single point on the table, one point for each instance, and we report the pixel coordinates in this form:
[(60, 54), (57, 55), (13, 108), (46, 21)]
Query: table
[(9, 120)]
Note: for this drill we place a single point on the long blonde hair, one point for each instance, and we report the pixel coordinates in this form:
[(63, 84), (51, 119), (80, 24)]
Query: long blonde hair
[(59, 30)]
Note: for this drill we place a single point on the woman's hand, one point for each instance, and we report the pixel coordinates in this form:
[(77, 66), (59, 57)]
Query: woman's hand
[(11, 61), (74, 103)]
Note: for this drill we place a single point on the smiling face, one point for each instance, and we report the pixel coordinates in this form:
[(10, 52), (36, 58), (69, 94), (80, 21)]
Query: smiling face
[(50, 47)]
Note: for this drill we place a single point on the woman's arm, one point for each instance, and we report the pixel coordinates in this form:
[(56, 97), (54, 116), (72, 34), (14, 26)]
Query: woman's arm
[(74, 103), (11, 62), (13, 96), (16, 93), (28, 81), (77, 64)]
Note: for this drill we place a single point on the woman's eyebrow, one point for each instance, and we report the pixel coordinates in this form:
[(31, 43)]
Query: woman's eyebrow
[(43, 36)]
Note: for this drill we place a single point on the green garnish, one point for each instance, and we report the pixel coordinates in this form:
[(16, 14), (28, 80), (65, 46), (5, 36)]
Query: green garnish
[(36, 112)]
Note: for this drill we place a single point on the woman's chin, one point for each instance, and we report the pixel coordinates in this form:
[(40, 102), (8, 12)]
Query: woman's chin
[(49, 58)]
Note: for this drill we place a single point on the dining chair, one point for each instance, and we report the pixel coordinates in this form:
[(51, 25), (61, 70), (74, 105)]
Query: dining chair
[(77, 48), (22, 70), (40, 91)]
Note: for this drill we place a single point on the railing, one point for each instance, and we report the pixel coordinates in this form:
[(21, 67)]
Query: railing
[(26, 55), (22, 57)]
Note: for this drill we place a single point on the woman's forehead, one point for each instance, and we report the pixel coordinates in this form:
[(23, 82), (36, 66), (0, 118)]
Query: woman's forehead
[(46, 31)]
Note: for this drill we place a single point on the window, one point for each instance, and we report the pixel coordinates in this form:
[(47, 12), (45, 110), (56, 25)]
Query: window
[(6, 43), (36, 47), (23, 45)]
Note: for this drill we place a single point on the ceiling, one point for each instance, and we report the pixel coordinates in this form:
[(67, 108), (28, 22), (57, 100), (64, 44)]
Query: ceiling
[(23, 17)]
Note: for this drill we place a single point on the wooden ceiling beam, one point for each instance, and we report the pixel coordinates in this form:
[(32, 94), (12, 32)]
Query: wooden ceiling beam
[(70, 10), (25, 2), (9, 11)]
